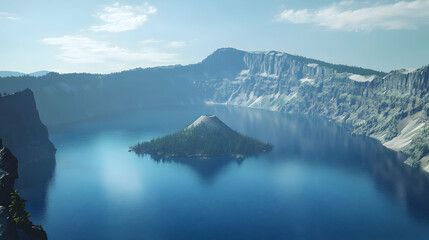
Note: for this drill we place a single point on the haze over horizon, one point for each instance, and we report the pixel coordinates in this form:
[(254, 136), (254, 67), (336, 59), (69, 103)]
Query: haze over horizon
[(109, 36)]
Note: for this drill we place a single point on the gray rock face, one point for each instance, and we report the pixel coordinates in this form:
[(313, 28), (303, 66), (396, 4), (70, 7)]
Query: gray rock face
[(8, 175), (393, 108), (269, 80), (413, 82), (7, 229)]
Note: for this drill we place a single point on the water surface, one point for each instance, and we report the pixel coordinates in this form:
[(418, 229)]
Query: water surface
[(317, 183)]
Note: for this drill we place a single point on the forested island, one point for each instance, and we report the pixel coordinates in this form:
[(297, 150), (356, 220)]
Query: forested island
[(207, 137)]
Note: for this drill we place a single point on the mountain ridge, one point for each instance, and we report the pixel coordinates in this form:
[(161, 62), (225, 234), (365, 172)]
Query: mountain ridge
[(388, 107), (20, 74), (341, 68), (228, 51)]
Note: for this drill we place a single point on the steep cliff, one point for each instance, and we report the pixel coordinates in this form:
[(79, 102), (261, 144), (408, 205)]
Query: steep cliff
[(8, 175), (26, 136), (392, 108)]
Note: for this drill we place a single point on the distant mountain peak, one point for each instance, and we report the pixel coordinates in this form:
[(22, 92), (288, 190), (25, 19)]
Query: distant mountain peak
[(225, 52), (227, 49), (232, 60), (225, 60)]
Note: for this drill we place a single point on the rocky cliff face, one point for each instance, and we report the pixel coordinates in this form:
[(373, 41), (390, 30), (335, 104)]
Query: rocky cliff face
[(8, 175), (268, 80), (392, 108), (26, 136)]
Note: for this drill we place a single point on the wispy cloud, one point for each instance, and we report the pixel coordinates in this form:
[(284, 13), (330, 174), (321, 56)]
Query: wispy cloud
[(176, 44), (353, 16), (78, 49), (118, 18), (10, 16), (150, 41)]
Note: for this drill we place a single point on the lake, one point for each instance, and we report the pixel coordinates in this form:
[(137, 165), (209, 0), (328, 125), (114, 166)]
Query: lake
[(319, 182)]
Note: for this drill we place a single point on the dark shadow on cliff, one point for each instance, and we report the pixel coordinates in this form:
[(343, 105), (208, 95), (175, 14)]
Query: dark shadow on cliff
[(27, 138)]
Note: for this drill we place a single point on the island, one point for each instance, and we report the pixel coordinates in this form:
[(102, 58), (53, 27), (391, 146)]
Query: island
[(207, 137)]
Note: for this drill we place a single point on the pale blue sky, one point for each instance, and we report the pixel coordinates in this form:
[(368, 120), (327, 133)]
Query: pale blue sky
[(106, 36)]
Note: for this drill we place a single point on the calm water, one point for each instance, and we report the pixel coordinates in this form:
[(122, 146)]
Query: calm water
[(317, 183)]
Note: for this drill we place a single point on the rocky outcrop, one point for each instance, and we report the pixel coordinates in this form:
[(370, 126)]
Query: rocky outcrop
[(7, 229), (26, 136), (8, 175)]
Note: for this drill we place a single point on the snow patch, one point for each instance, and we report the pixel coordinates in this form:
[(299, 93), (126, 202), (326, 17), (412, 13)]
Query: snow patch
[(240, 99), (410, 128), (313, 65), (360, 78), (257, 102), (243, 75), (309, 80), (244, 72), (265, 74)]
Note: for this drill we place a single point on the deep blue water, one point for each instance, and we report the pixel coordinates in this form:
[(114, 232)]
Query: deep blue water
[(318, 183)]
